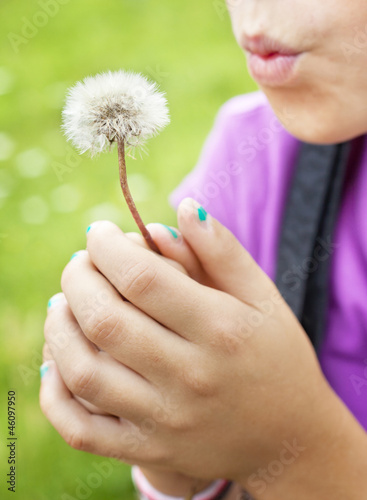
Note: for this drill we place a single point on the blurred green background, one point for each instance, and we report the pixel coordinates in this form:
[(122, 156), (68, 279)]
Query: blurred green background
[(48, 194)]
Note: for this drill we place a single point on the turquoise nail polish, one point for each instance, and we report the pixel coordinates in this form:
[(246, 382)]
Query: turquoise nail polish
[(88, 228), (202, 213), (172, 231), (53, 300), (43, 370), (74, 255)]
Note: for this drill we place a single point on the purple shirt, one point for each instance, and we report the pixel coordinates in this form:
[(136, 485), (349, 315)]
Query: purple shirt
[(242, 179)]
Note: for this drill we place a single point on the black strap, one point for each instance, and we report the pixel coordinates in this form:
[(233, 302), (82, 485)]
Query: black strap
[(224, 492), (306, 243)]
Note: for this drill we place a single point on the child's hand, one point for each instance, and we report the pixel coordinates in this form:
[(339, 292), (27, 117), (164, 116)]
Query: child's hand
[(190, 372), (176, 252)]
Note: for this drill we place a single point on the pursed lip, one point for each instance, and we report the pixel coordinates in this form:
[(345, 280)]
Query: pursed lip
[(270, 62), (266, 47)]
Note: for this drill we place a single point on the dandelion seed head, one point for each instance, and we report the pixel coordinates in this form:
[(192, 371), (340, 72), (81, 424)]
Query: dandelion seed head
[(113, 106)]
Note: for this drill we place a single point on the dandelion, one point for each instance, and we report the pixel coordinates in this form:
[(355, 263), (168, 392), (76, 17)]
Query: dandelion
[(119, 107)]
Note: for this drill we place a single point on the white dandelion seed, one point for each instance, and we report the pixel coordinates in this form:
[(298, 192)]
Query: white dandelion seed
[(110, 107), (121, 107)]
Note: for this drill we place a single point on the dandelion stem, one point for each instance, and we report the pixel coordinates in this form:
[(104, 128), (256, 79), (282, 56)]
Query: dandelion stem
[(129, 199)]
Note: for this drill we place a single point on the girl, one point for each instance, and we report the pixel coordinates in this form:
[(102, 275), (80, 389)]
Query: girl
[(196, 367)]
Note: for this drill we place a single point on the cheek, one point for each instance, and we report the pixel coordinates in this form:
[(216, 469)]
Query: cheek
[(235, 15), (325, 105), (340, 32)]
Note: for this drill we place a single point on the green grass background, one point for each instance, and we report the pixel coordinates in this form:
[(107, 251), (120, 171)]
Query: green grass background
[(189, 49)]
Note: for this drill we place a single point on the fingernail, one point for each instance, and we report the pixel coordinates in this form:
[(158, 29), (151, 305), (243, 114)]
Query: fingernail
[(172, 231), (89, 227), (197, 211), (54, 300), (202, 213), (44, 368)]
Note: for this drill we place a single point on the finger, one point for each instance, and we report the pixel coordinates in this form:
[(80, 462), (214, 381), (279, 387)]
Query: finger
[(103, 435), (221, 255), (47, 356), (172, 245), (139, 240), (174, 249), (92, 374), (46, 353), (117, 326), (162, 292)]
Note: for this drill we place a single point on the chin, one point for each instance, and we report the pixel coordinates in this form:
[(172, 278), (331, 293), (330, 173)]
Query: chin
[(313, 119), (307, 129)]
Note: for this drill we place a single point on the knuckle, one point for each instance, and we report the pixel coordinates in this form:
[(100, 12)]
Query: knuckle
[(159, 455), (100, 326), (139, 279), (231, 343), (198, 382), (76, 439), (227, 340), (82, 382), (180, 422), (225, 330)]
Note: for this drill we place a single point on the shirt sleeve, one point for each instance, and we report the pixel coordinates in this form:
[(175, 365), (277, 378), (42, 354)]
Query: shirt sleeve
[(243, 174)]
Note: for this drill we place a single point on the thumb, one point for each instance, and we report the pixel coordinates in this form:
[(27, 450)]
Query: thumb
[(223, 258)]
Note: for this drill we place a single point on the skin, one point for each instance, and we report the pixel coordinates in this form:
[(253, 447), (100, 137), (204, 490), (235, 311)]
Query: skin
[(326, 101), (201, 362), (183, 347)]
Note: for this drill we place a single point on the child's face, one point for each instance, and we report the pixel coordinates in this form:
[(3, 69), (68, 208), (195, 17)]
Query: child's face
[(315, 74)]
